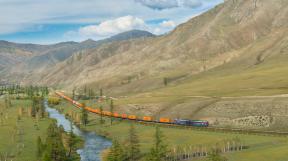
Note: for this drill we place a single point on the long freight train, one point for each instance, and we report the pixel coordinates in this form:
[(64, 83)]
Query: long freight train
[(196, 123)]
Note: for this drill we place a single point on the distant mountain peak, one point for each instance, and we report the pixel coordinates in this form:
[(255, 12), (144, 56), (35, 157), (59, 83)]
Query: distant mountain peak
[(132, 34), (88, 41)]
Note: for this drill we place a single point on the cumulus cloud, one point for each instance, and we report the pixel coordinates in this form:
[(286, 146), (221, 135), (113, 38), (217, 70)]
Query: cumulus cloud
[(164, 27), (167, 4), (26, 15), (115, 26), (111, 27), (168, 24), (108, 28)]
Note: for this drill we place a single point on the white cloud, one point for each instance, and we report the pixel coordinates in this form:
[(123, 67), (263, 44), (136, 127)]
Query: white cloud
[(112, 27), (27, 15), (168, 24), (115, 26)]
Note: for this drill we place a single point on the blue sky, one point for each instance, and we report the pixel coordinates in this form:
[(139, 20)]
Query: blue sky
[(52, 21)]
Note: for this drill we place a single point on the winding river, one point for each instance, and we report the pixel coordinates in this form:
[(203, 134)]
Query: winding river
[(94, 144)]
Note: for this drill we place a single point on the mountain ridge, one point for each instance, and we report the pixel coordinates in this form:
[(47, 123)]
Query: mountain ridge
[(223, 35)]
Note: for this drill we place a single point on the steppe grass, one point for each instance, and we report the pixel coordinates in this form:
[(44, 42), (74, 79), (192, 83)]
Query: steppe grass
[(18, 138), (264, 148)]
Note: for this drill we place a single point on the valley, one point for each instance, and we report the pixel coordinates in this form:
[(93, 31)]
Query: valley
[(226, 67)]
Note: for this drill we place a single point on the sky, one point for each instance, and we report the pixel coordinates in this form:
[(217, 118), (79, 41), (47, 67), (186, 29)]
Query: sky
[(52, 21)]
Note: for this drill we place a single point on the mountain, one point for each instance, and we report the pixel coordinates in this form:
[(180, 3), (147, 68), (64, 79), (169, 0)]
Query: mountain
[(227, 66), (131, 35), (44, 56), (237, 34), (62, 51)]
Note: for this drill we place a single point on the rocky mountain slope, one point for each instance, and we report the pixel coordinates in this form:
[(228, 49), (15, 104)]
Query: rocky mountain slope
[(31, 59), (235, 34)]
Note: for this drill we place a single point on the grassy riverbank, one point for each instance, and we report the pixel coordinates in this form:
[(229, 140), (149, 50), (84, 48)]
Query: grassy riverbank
[(259, 146), (19, 135), (19, 132)]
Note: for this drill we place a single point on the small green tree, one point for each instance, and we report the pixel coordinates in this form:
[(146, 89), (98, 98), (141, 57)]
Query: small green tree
[(111, 110), (84, 116), (54, 150), (46, 156), (85, 90), (116, 152), (71, 140), (101, 114), (40, 147), (159, 150), (73, 94), (214, 155), (134, 153), (165, 81), (101, 92)]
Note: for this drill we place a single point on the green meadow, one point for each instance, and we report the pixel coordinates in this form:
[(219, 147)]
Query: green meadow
[(19, 134), (260, 147)]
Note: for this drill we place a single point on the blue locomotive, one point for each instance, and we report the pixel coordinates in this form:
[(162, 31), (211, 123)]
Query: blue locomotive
[(196, 123)]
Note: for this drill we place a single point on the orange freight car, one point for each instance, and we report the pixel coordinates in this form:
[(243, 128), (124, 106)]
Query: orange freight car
[(96, 111), (88, 109), (124, 116), (116, 114), (69, 99), (132, 117), (107, 113), (165, 120), (147, 118)]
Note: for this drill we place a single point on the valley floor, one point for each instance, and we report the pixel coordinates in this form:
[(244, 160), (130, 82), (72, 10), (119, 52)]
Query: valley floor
[(18, 134), (264, 148)]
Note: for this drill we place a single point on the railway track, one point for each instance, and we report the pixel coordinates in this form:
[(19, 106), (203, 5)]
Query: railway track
[(169, 124)]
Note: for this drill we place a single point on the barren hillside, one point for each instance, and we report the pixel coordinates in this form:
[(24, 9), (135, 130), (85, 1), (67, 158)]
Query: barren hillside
[(234, 34)]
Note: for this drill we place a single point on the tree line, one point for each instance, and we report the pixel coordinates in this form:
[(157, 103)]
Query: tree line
[(131, 150), (158, 152), (58, 146)]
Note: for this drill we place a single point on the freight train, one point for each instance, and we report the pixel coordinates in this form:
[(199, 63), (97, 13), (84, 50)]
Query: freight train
[(196, 123)]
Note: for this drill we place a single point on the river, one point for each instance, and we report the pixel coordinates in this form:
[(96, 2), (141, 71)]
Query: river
[(94, 144)]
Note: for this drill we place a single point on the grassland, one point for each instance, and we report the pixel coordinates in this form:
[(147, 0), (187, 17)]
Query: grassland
[(18, 138), (264, 148), (230, 80)]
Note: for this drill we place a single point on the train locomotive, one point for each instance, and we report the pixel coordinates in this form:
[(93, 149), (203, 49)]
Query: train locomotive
[(196, 123), (181, 122)]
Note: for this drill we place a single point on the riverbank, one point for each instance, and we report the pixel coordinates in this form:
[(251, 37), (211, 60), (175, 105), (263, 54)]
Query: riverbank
[(19, 132), (187, 138), (93, 144)]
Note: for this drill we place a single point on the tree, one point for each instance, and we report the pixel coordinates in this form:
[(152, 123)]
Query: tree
[(159, 151), (133, 145), (84, 116), (215, 156), (54, 145), (101, 114), (73, 94), (7, 102), (85, 90), (116, 152), (111, 110), (71, 140), (46, 157), (39, 147), (101, 92), (165, 81)]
